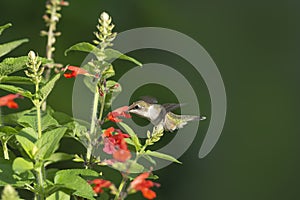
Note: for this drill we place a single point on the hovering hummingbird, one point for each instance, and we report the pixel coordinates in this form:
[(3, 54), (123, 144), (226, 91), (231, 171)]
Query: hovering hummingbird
[(160, 115)]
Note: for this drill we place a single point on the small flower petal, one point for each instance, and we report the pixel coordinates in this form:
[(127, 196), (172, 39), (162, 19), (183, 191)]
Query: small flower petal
[(122, 155)]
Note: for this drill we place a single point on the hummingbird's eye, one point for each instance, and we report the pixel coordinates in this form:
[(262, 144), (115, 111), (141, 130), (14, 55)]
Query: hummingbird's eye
[(137, 107)]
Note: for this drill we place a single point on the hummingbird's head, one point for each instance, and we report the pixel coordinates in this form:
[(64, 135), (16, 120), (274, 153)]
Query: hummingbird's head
[(140, 108)]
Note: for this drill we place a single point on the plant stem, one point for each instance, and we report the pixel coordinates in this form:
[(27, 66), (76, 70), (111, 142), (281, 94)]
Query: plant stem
[(5, 150), (120, 189), (102, 106), (40, 180), (49, 46), (37, 104), (92, 127), (39, 120)]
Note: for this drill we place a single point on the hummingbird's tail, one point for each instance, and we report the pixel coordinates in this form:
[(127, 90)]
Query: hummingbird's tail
[(173, 121)]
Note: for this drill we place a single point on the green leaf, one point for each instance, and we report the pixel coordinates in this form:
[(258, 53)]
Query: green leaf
[(16, 80), (48, 143), (133, 136), (6, 172), (57, 157), (7, 131), (162, 156), (9, 193), (123, 167), (46, 89), (112, 54), (16, 90), (60, 195), (72, 179), (2, 28), (27, 145), (85, 47), (8, 47), (11, 119), (30, 120), (29, 133), (11, 65), (21, 165)]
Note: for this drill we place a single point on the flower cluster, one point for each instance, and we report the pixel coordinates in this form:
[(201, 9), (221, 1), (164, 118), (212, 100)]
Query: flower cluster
[(141, 184), (99, 184), (115, 144)]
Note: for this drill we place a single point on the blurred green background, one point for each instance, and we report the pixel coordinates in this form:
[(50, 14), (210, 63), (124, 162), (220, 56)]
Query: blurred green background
[(255, 46)]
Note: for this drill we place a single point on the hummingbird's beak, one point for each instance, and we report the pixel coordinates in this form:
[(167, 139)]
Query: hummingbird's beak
[(131, 107)]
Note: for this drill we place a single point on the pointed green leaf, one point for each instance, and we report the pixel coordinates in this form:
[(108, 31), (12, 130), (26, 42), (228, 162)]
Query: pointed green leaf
[(11, 65), (29, 133), (8, 47), (2, 28), (48, 143), (46, 89), (112, 54), (11, 119), (72, 179), (133, 136), (84, 47), (16, 80), (6, 172), (8, 131), (21, 165), (27, 145), (57, 157), (30, 120), (162, 156), (16, 90)]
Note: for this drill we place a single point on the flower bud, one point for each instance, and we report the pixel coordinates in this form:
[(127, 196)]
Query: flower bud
[(31, 55), (104, 16)]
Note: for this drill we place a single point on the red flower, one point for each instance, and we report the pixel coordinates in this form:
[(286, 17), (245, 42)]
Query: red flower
[(98, 184), (114, 143), (122, 155), (141, 184), (75, 71), (120, 112), (8, 100)]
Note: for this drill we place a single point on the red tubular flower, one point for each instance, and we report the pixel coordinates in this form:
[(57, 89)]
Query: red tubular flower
[(99, 184), (141, 184), (122, 155), (75, 71), (114, 143), (120, 112), (8, 100)]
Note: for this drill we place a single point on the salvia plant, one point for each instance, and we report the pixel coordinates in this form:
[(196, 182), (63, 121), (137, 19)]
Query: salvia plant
[(30, 138)]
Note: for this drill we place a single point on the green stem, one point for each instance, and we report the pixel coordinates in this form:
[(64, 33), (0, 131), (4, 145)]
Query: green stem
[(5, 150), (92, 128), (102, 106), (120, 189), (40, 180), (39, 120)]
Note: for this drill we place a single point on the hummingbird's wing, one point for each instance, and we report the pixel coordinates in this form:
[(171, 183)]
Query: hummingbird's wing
[(172, 106), (149, 99)]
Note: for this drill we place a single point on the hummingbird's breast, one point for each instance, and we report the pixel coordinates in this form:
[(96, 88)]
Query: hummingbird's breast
[(157, 114)]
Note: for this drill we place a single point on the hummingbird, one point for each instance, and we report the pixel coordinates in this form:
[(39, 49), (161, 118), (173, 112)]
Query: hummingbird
[(160, 115)]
